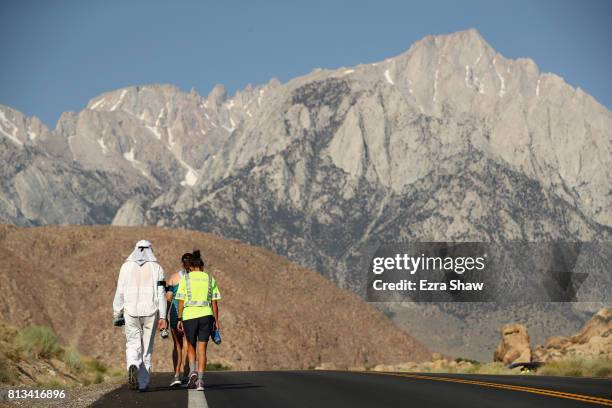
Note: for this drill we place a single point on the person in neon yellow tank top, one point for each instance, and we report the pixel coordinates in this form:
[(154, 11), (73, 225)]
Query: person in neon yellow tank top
[(198, 314)]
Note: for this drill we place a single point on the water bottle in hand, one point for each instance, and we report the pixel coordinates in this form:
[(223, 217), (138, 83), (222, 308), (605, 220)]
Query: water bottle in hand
[(216, 336)]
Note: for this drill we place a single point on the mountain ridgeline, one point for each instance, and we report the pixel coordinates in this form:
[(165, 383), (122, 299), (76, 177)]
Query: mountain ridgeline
[(448, 141)]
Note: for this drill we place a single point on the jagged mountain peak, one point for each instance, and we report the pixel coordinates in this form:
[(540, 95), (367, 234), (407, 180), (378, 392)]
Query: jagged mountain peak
[(130, 98), (20, 130), (465, 40), (218, 95)]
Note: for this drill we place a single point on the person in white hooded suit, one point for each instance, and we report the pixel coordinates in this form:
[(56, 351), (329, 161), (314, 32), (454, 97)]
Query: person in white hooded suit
[(140, 298)]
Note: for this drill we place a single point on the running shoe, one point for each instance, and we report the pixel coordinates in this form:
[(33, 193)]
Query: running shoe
[(200, 386), (193, 377), (133, 377), (176, 381)]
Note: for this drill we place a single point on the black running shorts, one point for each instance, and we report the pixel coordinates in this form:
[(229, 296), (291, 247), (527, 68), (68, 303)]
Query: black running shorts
[(198, 329)]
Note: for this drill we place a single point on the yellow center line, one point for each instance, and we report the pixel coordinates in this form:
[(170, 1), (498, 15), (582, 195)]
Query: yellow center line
[(539, 391)]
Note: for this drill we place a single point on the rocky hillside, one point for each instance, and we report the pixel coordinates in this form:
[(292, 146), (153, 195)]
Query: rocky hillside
[(586, 353), (448, 141), (593, 340), (275, 313)]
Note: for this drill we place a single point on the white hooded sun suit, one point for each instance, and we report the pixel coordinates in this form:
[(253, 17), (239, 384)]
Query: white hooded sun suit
[(141, 297)]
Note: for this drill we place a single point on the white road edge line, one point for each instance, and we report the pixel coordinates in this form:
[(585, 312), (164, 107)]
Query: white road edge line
[(196, 399)]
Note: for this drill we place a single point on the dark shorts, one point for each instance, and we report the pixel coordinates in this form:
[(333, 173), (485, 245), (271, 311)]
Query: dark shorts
[(198, 329)]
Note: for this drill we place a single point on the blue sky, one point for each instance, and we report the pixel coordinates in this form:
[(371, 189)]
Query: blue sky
[(56, 55)]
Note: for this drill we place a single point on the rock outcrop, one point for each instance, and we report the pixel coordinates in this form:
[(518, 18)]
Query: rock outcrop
[(514, 346), (130, 214), (594, 340)]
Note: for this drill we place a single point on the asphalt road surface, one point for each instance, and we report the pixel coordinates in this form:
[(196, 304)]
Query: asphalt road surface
[(333, 389)]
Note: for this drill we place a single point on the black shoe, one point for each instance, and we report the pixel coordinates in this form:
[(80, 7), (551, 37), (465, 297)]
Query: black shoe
[(133, 377), (145, 389)]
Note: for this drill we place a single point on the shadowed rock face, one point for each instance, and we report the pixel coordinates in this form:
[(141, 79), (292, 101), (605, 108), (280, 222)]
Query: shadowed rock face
[(448, 141)]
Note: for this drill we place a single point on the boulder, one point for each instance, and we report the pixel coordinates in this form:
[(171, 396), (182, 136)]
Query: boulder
[(438, 361), (436, 357), (595, 339), (514, 346)]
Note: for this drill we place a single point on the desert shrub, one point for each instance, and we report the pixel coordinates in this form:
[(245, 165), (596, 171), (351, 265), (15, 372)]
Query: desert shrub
[(39, 342), (471, 369), (7, 373), (116, 372), (603, 370), (95, 365), (561, 368), (598, 366), (579, 367), (73, 360), (217, 367), (94, 371), (474, 368), (466, 360), (574, 372), (50, 382), (495, 368), (98, 378), (11, 350)]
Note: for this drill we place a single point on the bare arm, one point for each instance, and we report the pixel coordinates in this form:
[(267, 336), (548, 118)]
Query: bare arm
[(168, 305), (215, 307), (172, 280), (181, 305), (180, 297), (169, 293)]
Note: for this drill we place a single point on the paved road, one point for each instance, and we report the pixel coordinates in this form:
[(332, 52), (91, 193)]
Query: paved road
[(323, 389)]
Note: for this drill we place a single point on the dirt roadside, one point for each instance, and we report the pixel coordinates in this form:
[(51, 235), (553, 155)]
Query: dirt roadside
[(76, 397)]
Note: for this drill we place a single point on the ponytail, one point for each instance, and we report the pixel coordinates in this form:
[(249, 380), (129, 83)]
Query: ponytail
[(196, 260)]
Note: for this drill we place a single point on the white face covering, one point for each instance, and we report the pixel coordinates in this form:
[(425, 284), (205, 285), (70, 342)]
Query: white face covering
[(143, 253)]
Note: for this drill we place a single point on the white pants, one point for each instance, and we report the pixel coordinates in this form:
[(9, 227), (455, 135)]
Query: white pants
[(139, 335)]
